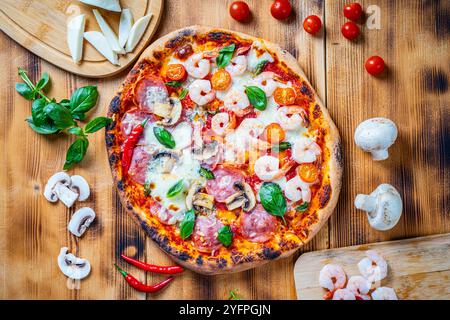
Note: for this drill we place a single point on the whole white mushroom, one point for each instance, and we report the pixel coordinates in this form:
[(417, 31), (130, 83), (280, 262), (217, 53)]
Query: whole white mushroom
[(383, 206), (376, 135)]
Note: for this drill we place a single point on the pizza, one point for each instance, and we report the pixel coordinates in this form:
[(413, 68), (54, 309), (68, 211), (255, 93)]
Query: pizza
[(237, 161)]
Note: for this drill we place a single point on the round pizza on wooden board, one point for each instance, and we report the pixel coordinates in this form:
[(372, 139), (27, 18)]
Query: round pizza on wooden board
[(238, 163)]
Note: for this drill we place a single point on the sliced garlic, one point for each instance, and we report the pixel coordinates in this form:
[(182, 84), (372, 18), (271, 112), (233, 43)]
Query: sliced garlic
[(108, 33), (137, 31), (98, 40), (75, 30), (125, 25), (111, 5)]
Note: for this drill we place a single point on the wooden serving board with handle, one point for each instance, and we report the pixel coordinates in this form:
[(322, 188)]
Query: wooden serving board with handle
[(418, 268), (40, 26)]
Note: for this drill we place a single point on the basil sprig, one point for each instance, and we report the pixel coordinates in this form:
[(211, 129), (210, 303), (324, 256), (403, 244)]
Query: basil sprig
[(272, 199), (174, 84), (51, 117), (303, 207), (183, 94), (175, 189), (225, 236), (208, 174), (164, 137), (225, 55), (260, 67), (282, 146), (257, 97), (187, 225)]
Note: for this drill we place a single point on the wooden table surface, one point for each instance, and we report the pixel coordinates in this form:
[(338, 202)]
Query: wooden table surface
[(414, 42)]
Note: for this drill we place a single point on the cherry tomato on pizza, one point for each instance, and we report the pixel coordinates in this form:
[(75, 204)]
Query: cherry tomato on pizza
[(220, 80), (312, 24), (375, 65), (239, 11), (274, 134), (308, 172), (281, 9), (284, 96), (350, 30), (353, 11), (176, 72)]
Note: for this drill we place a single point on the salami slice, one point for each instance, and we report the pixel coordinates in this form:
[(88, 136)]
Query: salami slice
[(221, 187), (150, 91), (258, 225), (139, 164), (164, 215), (130, 120), (205, 233)]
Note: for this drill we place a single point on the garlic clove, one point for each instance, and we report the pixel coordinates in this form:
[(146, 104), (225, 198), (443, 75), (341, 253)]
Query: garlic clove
[(108, 33), (110, 5), (75, 30), (98, 40), (125, 25), (137, 31)]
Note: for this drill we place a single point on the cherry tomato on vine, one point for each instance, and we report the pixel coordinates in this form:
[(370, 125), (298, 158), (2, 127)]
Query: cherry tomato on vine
[(281, 9), (353, 11), (350, 30), (239, 11), (312, 24), (375, 65)]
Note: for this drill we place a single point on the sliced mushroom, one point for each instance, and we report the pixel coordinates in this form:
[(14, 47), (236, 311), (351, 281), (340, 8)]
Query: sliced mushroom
[(171, 112), (72, 266), (66, 195), (244, 198), (59, 178), (80, 186), (197, 199), (80, 221), (164, 161), (206, 151)]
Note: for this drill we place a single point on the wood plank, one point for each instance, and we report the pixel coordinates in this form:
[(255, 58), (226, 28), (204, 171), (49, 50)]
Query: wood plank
[(418, 268)]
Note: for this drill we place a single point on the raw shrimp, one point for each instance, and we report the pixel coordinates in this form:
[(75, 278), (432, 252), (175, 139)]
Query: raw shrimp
[(222, 123), (237, 101), (305, 150), (384, 293), (297, 189), (360, 286), (200, 92), (373, 267), (332, 277), (237, 66), (291, 118), (343, 294), (267, 168), (197, 66), (266, 82)]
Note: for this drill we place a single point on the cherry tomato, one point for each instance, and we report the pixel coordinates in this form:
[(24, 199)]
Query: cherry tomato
[(273, 133), (308, 172), (284, 96), (281, 9), (312, 24), (353, 11), (375, 65), (350, 30), (221, 80), (239, 10), (176, 72)]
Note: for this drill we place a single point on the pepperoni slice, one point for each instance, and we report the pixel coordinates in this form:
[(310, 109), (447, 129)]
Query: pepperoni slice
[(150, 91), (205, 233), (130, 120), (139, 164), (258, 225), (221, 187)]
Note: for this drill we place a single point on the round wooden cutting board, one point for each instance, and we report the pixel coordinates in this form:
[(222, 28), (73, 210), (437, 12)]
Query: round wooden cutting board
[(40, 26)]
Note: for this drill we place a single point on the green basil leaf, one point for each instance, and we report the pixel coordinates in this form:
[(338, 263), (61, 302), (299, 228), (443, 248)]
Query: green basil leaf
[(37, 112), (83, 99), (260, 67), (65, 103), (164, 137), (233, 295), (282, 146), (175, 189), (76, 152), (96, 124), (76, 131), (225, 55), (46, 128), (183, 94), (225, 236), (25, 91), (257, 97), (43, 82), (147, 189), (174, 84), (187, 225), (302, 207), (60, 115), (79, 116), (272, 199), (208, 174)]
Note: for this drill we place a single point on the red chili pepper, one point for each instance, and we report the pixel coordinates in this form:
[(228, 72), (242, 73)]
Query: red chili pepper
[(152, 267), (139, 286), (129, 145)]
